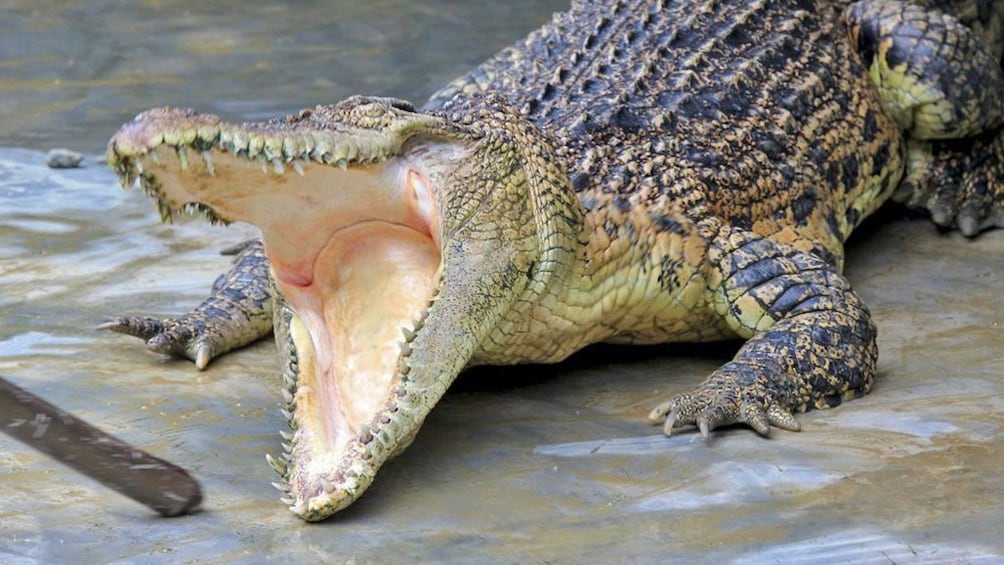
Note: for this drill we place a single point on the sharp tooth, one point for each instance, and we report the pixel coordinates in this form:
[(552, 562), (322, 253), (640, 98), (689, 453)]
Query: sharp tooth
[(209, 163), (227, 140), (292, 146), (287, 500), (240, 142), (343, 164), (138, 162), (285, 435), (408, 334), (287, 396), (208, 133), (188, 135), (365, 436), (281, 487), (339, 152), (255, 145), (350, 151), (287, 447), (277, 166), (154, 156), (405, 349), (273, 148), (286, 414), (277, 466), (321, 148), (183, 157), (130, 179), (298, 167)]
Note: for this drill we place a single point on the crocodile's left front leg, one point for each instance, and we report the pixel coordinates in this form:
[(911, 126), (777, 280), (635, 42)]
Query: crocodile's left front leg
[(811, 339), (237, 312)]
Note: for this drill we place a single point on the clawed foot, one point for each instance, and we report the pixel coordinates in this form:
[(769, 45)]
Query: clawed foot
[(959, 182), (720, 401), (238, 312), (180, 337)]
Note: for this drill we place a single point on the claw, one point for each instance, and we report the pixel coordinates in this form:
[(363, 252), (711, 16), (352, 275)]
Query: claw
[(202, 356), (703, 426), (667, 428), (969, 221), (757, 419), (781, 418), (141, 327), (108, 325)]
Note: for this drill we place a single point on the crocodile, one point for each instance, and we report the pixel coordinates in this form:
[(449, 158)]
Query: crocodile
[(635, 172)]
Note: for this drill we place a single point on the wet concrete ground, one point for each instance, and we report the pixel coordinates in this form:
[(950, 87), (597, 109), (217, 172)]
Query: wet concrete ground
[(532, 464), (541, 464)]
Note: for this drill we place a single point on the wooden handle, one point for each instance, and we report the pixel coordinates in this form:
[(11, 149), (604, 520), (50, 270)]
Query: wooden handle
[(164, 487)]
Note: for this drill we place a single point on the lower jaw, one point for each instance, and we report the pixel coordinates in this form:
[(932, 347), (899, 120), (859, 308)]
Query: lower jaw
[(372, 282)]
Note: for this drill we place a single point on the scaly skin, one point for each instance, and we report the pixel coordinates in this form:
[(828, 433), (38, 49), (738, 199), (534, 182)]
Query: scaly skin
[(634, 172)]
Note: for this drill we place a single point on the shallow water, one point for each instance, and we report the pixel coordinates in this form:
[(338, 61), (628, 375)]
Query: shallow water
[(516, 465)]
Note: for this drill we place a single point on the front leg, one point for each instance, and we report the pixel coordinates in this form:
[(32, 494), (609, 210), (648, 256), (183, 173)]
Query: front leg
[(811, 339), (237, 312)]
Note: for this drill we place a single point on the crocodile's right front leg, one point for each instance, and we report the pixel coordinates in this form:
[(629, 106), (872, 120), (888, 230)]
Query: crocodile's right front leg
[(236, 313), (811, 339)]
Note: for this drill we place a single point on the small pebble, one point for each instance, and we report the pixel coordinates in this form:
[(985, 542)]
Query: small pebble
[(63, 159)]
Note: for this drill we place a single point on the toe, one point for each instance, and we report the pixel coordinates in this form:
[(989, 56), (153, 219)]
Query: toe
[(667, 427), (137, 326), (658, 414), (756, 418), (784, 419)]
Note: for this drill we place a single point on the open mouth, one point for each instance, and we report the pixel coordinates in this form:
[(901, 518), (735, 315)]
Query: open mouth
[(351, 226)]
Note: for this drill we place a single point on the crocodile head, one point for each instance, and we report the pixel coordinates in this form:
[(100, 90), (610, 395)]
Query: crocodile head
[(397, 241)]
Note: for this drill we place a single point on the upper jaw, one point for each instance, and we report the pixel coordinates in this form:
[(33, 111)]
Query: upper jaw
[(358, 131)]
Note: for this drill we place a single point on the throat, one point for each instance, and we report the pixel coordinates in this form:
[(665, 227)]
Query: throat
[(369, 282)]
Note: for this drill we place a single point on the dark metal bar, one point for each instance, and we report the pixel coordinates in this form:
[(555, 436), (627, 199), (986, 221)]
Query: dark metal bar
[(164, 487)]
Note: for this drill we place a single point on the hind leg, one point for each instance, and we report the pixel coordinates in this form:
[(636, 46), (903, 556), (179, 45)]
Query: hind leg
[(944, 85), (960, 182)]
